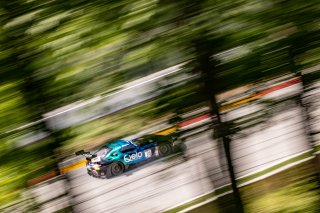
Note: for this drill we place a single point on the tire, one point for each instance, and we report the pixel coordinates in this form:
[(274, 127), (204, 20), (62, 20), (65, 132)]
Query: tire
[(165, 149), (115, 169)]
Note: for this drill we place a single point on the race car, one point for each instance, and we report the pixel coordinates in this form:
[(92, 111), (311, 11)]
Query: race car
[(115, 157)]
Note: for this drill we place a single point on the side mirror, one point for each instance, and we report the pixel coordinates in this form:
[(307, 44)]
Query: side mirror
[(81, 152)]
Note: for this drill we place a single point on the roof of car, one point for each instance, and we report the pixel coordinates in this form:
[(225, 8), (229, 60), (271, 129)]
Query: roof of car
[(117, 143)]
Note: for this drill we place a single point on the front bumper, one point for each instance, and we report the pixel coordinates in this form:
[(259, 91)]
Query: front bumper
[(99, 174), (95, 170)]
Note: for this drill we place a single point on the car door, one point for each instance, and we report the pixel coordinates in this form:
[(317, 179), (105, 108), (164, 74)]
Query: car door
[(132, 154)]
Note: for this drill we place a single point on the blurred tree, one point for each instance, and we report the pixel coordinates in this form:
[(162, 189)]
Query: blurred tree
[(21, 64), (55, 52), (206, 41), (259, 26), (206, 64)]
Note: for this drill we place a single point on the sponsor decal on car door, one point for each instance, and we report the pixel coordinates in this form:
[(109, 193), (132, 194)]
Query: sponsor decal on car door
[(134, 157)]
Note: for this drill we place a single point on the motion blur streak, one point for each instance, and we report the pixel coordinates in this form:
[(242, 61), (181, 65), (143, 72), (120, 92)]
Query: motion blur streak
[(231, 86)]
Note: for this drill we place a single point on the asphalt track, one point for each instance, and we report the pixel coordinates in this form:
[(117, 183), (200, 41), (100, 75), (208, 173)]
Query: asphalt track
[(164, 183)]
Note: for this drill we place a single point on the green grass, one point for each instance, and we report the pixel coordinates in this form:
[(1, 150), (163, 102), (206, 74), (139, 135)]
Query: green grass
[(293, 190), (266, 171), (299, 197)]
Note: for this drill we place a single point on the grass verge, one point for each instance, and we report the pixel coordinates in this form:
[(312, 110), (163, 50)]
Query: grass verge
[(293, 190)]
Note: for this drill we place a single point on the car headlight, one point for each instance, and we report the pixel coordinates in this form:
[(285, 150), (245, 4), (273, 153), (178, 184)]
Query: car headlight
[(96, 167)]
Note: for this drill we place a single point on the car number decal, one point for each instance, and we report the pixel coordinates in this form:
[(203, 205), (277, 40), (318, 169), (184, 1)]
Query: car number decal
[(148, 153), (156, 151)]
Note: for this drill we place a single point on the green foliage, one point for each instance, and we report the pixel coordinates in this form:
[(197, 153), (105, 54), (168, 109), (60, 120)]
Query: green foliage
[(54, 53), (180, 98), (21, 165)]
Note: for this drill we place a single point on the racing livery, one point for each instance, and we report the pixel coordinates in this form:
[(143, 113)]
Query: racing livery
[(115, 157)]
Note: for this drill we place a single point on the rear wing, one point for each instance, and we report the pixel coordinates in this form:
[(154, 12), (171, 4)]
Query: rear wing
[(85, 154)]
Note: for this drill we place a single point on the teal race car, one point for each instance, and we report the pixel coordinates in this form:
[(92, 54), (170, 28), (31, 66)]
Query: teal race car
[(115, 157)]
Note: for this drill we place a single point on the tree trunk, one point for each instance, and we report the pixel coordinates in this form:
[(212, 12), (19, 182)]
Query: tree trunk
[(307, 120), (207, 67)]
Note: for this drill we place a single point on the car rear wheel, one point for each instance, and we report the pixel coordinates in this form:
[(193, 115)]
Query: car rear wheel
[(165, 149), (115, 169)]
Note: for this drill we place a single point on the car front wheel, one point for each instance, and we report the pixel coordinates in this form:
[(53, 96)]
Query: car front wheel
[(115, 169)]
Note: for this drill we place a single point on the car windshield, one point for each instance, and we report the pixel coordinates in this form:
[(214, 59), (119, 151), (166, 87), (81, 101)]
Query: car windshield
[(139, 141), (103, 151)]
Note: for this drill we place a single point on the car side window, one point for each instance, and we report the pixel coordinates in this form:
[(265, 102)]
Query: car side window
[(127, 148)]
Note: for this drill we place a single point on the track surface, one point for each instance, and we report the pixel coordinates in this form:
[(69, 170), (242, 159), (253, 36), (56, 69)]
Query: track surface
[(277, 134), (164, 183)]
